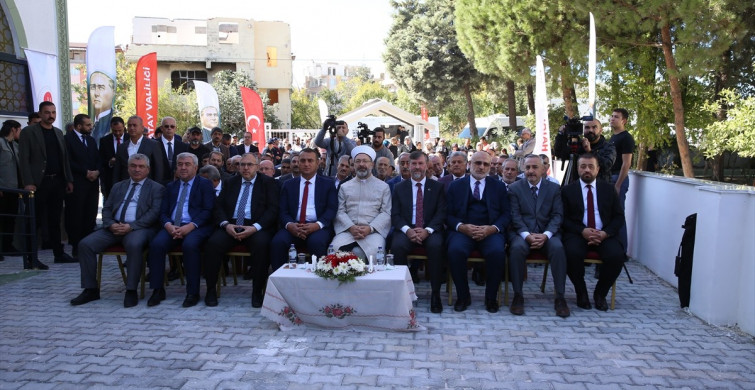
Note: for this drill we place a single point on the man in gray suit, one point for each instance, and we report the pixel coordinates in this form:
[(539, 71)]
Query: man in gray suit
[(128, 217), (536, 216)]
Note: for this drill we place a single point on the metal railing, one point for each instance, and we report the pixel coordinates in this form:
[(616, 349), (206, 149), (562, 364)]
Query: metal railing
[(25, 225)]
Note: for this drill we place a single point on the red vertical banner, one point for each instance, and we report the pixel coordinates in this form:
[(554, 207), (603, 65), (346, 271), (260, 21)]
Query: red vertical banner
[(146, 91), (423, 112), (255, 117)]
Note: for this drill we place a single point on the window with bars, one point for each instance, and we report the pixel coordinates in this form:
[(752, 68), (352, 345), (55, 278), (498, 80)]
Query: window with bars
[(179, 79)]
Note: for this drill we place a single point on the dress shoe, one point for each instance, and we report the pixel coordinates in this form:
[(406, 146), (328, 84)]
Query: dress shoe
[(462, 303), (86, 296), (436, 306), (257, 299), (173, 275), (562, 310), (36, 264), (211, 299), (491, 305), (190, 300), (131, 299), (158, 295), (600, 302), (517, 305), (65, 258), (583, 301), (477, 277)]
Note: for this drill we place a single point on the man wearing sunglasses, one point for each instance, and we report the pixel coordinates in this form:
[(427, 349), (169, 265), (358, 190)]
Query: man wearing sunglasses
[(172, 146)]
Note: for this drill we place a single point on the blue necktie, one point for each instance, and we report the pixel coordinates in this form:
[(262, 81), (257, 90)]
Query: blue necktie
[(122, 217), (240, 211), (180, 206), (476, 192)]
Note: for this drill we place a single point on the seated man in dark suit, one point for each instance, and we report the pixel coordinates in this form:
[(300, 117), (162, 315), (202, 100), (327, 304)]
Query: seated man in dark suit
[(536, 216), (417, 215), (592, 227), (186, 220), (129, 217), (307, 221), (478, 214), (245, 213)]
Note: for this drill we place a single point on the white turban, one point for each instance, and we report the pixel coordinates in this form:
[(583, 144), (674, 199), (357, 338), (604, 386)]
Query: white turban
[(363, 149)]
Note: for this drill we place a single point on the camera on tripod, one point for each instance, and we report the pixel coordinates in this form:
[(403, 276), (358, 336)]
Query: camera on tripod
[(364, 133), (573, 129)]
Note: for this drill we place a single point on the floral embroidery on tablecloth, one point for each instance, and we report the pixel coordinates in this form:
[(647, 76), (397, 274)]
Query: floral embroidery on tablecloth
[(337, 311), (288, 313), (412, 320)]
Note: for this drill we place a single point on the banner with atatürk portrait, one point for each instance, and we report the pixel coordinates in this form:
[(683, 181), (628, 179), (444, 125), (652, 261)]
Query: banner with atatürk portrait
[(101, 79), (209, 108)]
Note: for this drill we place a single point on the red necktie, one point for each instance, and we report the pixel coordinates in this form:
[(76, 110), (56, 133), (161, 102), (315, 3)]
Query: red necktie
[(590, 208), (303, 213), (118, 141), (420, 209)]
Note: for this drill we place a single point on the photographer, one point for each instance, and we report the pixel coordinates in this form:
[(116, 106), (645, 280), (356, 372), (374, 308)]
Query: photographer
[(336, 145), (592, 141)]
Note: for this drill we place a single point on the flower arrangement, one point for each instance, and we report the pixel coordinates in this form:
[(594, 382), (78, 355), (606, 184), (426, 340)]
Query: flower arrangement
[(344, 266)]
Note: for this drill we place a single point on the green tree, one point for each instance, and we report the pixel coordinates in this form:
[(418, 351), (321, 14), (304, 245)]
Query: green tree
[(228, 86), (424, 58), (305, 112), (367, 91), (737, 132)]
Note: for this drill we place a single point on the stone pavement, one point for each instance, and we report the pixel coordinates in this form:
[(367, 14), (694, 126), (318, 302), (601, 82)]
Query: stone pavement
[(646, 343)]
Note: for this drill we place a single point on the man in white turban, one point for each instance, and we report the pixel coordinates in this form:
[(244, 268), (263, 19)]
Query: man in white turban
[(364, 208)]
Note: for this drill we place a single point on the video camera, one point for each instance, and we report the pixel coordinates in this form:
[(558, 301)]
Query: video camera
[(364, 133), (573, 129)]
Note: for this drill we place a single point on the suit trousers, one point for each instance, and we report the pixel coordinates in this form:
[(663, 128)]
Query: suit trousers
[(553, 249), (433, 244), (81, 210), (48, 204), (611, 252), (492, 249), (191, 246), (316, 244), (134, 242), (221, 242)]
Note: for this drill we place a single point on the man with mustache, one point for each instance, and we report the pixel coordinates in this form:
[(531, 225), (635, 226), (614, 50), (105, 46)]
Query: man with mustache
[(592, 142)]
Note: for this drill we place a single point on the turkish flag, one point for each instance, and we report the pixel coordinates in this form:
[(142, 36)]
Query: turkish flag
[(146, 91), (255, 117), (423, 112)]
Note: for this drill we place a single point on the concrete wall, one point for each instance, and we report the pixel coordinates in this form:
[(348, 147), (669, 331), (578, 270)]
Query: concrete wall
[(723, 274)]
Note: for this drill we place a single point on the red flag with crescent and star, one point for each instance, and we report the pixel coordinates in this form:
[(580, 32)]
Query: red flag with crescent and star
[(255, 118)]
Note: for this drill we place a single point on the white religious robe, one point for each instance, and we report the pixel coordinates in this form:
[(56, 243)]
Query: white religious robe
[(363, 202)]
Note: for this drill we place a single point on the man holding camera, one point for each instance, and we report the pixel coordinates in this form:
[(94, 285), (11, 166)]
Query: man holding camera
[(592, 141), (336, 145)]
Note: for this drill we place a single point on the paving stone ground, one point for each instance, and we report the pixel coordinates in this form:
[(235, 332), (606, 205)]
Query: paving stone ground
[(648, 342)]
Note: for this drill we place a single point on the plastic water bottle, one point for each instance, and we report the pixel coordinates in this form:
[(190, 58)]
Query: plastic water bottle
[(380, 259), (292, 256), (331, 250)]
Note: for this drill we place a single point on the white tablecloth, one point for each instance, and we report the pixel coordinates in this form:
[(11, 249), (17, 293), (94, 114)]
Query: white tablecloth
[(380, 301)]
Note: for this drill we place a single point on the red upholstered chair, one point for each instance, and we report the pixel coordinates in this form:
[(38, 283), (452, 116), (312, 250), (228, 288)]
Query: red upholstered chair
[(118, 250)]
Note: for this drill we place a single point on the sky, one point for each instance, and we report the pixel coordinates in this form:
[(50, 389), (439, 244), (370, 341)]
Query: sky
[(343, 31)]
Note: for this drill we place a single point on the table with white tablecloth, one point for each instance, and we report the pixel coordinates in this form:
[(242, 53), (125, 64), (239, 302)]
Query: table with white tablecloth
[(378, 301)]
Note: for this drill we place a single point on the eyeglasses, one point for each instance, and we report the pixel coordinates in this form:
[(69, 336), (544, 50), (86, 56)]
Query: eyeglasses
[(170, 126), (247, 164), (483, 163)]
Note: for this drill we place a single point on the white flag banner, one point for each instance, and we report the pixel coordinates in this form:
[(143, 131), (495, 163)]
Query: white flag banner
[(45, 84), (101, 79), (323, 110), (542, 131), (209, 108), (591, 68)]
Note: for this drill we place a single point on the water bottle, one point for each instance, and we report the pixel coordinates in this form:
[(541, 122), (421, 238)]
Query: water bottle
[(380, 259), (292, 256), (331, 250)]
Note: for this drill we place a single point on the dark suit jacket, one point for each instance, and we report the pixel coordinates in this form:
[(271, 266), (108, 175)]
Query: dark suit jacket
[(326, 201), (611, 213), (393, 181), (201, 202), (434, 210), (169, 168), (526, 216), (147, 206), (148, 147), (82, 158), (223, 149), (457, 198), (447, 180), (33, 155), (107, 151), (265, 200), (102, 126), (241, 149)]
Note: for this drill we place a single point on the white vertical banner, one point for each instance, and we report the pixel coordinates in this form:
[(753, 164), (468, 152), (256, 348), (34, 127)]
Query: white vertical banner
[(101, 79), (592, 58), (45, 84), (209, 108), (323, 107), (542, 129)]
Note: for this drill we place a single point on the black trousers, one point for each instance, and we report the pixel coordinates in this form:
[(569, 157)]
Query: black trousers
[(48, 202), (434, 248), (611, 252), (220, 242), (81, 210)]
